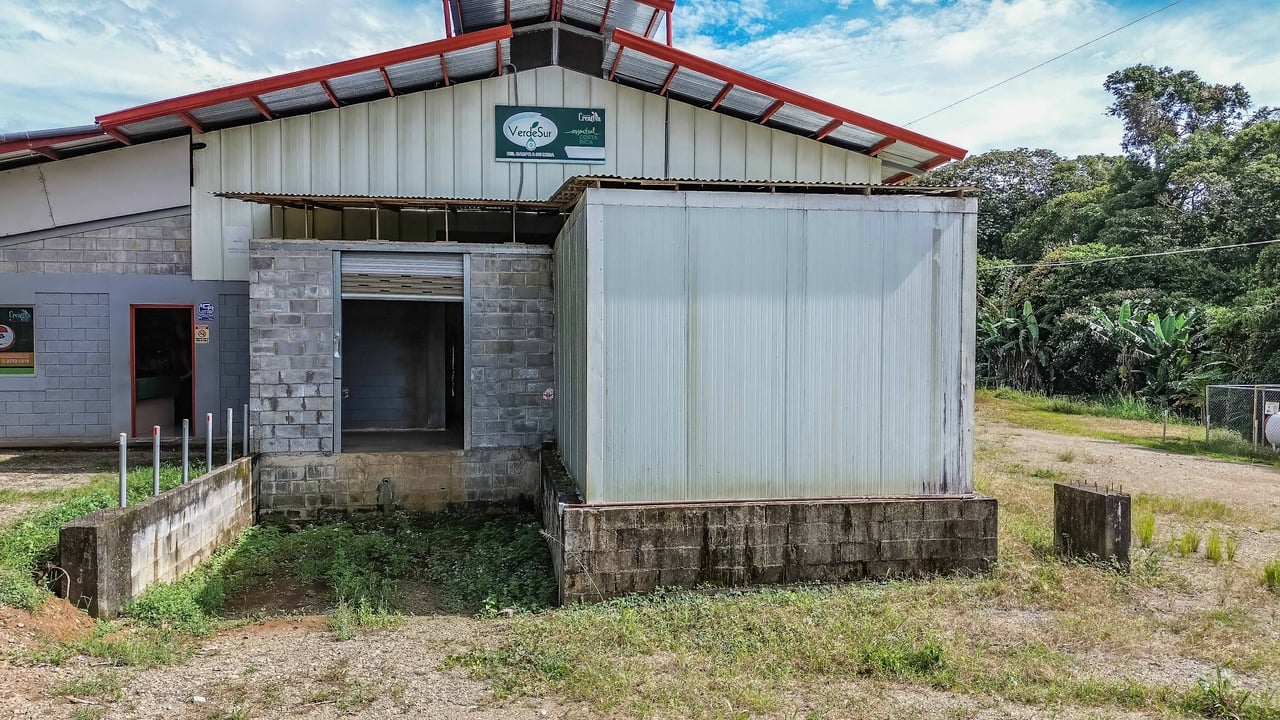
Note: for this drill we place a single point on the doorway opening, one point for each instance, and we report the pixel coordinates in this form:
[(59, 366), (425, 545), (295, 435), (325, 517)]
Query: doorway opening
[(162, 368), (402, 381)]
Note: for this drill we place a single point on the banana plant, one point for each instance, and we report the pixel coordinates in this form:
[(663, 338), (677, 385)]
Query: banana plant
[(1011, 347)]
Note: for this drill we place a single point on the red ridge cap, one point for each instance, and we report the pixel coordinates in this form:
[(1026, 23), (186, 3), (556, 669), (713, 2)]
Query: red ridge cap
[(690, 61), (298, 78)]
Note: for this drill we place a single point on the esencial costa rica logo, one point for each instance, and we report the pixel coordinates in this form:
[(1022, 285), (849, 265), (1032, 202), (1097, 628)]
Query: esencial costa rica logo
[(530, 130)]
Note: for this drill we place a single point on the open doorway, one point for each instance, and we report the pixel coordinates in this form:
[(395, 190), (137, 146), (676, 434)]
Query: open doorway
[(162, 367), (402, 379)]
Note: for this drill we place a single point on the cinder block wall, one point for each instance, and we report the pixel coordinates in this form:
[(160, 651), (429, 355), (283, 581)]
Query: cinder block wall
[(112, 556), (154, 246), (512, 366), (73, 349), (607, 551)]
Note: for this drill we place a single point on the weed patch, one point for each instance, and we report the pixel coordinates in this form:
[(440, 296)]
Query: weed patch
[(1145, 524), (32, 542), (1271, 576)]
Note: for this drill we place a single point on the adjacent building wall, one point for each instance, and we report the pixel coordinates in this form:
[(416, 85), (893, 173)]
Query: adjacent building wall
[(440, 143), (155, 244), (743, 346), (126, 181)]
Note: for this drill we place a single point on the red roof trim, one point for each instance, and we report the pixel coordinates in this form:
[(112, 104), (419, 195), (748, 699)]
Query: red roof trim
[(37, 143), (344, 68), (635, 42), (881, 146)]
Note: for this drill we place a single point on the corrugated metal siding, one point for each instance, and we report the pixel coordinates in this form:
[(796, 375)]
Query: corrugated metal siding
[(439, 143), (814, 347), (571, 344), (645, 380)]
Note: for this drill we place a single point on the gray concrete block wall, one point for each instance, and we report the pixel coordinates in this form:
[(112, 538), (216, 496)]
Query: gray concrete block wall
[(304, 486), (291, 350), (111, 556), (233, 351), (512, 350), (72, 398), (615, 550), (155, 246)]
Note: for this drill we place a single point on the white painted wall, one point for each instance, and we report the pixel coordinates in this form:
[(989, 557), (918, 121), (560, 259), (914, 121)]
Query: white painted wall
[(440, 143), (115, 183)]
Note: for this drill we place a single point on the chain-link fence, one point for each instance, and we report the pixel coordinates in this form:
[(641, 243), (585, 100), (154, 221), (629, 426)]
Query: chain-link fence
[(1242, 410)]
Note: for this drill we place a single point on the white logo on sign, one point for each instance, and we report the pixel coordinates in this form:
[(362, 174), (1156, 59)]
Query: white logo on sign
[(530, 130), (7, 337)]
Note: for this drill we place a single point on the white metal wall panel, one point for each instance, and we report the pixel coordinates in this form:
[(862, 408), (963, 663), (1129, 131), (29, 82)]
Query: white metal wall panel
[(237, 169), (353, 150), (440, 143), (737, 352), (384, 150), (645, 362), (571, 343), (411, 141), (781, 346), (206, 210), (911, 401), (834, 368)]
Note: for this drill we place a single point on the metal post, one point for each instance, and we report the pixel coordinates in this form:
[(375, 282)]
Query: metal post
[(1206, 413), (186, 450), (155, 460), (124, 469), (231, 417), (244, 431), (208, 439)]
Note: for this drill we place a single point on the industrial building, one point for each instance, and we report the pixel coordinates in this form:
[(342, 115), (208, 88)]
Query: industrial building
[(549, 256)]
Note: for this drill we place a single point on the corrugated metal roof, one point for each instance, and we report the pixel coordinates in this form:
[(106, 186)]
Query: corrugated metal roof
[(567, 196), (638, 16)]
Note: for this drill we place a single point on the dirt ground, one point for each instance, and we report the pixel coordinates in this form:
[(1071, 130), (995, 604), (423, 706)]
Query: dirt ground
[(295, 667)]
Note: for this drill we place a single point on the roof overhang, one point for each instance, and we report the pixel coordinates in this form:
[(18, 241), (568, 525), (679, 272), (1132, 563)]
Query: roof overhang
[(653, 66), (602, 16), (566, 197)]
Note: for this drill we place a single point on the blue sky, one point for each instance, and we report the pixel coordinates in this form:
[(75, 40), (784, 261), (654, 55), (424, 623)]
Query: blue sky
[(893, 59)]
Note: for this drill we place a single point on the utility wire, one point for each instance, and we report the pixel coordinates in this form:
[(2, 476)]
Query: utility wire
[(1183, 251), (1046, 62)]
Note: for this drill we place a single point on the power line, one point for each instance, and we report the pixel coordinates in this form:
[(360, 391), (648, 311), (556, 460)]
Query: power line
[(1046, 62), (1090, 261)]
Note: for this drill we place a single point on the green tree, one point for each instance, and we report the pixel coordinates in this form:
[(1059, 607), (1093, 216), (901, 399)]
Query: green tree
[(1160, 106)]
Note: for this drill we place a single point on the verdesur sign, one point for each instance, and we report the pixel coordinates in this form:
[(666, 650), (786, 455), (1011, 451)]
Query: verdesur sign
[(550, 135)]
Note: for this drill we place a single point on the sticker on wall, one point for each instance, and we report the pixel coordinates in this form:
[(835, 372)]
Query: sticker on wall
[(202, 334), (204, 312), (17, 340), (235, 239), (549, 135)]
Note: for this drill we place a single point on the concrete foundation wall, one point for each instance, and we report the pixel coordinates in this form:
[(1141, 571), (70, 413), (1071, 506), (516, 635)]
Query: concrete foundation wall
[(305, 486), (607, 551), (112, 556)]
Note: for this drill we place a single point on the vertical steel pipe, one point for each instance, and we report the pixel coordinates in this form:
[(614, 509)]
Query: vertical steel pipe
[(155, 460), (208, 440), (124, 469), (186, 450), (244, 431), (231, 418)]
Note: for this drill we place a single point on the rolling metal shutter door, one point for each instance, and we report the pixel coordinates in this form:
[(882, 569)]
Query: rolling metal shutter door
[(401, 276)]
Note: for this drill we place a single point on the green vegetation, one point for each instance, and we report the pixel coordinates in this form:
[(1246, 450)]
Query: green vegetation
[(1271, 575), (1146, 526), (29, 545), (106, 685), (1233, 547), (467, 562), (1213, 546), (1188, 543), (1079, 295), (1218, 697)]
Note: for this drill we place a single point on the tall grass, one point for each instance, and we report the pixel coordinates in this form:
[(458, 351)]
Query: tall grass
[(1271, 575), (31, 543), (1122, 407)]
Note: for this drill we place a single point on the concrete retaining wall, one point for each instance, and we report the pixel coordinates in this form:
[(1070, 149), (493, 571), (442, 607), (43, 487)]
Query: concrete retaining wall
[(113, 555), (303, 486), (612, 550)]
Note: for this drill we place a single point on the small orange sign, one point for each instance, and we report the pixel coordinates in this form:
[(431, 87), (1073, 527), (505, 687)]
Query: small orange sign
[(202, 334)]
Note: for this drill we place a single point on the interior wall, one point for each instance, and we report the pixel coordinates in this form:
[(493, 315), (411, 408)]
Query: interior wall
[(395, 364)]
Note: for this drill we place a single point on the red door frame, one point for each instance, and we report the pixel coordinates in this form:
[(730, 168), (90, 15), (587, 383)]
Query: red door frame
[(133, 361)]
